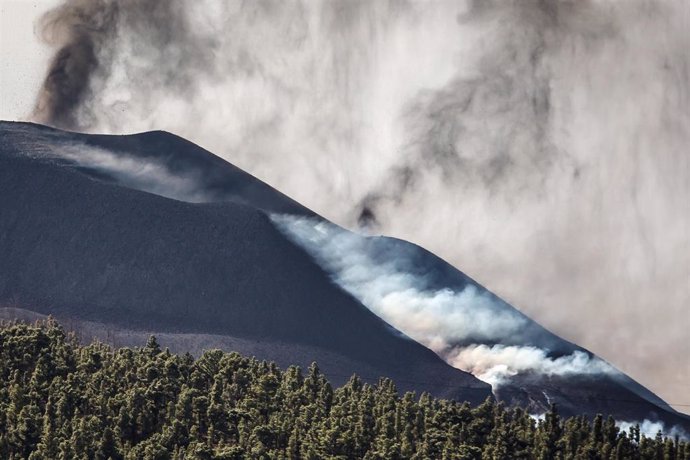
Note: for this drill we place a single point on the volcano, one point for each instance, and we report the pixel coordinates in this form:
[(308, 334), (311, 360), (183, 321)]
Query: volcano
[(120, 237)]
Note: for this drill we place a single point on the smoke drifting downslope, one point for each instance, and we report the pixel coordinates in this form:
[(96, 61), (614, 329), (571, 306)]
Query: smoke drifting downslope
[(540, 146), (149, 175), (471, 329)]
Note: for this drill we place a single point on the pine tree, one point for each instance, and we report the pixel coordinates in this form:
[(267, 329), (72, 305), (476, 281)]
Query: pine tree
[(61, 400)]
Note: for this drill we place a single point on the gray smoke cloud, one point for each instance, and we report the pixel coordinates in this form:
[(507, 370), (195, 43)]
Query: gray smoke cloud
[(540, 146)]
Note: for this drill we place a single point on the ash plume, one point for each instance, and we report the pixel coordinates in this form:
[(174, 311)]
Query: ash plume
[(79, 29), (538, 145), (86, 34)]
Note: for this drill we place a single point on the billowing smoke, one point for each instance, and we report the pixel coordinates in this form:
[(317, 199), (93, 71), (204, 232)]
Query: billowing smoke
[(434, 317), (495, 364), (540, 146), (467, 328)]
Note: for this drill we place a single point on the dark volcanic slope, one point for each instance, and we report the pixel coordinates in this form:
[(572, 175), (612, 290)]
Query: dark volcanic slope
[(83, 248), (125, 235), (210, 178)]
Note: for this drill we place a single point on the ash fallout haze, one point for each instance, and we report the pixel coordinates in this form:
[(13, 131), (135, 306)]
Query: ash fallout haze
[(539, 146)]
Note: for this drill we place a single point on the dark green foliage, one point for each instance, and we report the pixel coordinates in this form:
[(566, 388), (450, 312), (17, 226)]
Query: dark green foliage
[(60, 400)]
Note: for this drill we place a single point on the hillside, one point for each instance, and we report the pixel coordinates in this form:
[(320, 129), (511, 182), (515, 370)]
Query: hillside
[(123, 236), (90, 250)]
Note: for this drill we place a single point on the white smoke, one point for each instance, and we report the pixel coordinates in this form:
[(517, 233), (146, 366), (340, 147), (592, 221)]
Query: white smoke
[(647, 427), (435, 318), (144, 174), (495, 364), (541, 146), (650, 429), (439, 319)]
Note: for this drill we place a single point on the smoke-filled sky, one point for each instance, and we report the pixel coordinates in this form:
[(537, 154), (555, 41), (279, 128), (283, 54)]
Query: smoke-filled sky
[(539, 146)]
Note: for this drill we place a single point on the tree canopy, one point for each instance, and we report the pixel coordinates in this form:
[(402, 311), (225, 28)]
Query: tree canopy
[(63, 400)]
